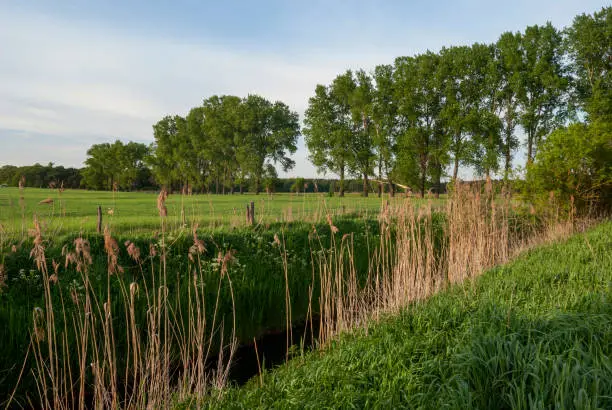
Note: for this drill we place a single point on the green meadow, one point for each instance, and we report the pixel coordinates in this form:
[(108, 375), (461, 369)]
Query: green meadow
[(136, 213)]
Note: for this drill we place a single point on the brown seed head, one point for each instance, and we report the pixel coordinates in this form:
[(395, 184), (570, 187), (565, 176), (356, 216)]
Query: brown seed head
[(112, 252), (133, 251), (161, 203), (2, 278)]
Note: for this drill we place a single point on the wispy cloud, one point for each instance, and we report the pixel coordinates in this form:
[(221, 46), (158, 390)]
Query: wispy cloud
[(69, 82)]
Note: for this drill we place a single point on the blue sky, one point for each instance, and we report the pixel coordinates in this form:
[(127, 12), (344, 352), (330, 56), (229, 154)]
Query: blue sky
[(75, 73)]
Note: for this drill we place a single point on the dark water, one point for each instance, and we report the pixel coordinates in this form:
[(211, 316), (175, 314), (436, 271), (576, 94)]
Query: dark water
[(272, 350)]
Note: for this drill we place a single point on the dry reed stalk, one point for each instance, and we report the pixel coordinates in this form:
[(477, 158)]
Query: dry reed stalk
[(411, 261)]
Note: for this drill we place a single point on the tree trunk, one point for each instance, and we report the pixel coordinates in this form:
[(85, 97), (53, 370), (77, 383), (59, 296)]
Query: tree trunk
[(365, 184), (240, 187), (437, 177), (341, 181), (423, 180), (508, 157), (456, 168), (380, 183), (391, 189), (257, 185), (529, 148)]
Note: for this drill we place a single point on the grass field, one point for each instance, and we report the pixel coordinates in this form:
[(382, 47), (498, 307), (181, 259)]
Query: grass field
[(536, 333), (135, 213)]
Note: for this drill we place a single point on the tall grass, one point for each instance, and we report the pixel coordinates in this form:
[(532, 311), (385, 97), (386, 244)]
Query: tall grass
[(85, 358), (533, 333), (422, 250)]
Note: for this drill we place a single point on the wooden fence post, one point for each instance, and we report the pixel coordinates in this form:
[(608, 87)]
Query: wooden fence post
[(99, 228), (248, 215), (252, 213)]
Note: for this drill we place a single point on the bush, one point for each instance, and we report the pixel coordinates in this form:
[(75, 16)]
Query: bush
[(574, 162)]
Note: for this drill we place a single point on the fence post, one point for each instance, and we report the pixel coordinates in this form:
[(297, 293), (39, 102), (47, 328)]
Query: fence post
[(252, 213), (99, 228)]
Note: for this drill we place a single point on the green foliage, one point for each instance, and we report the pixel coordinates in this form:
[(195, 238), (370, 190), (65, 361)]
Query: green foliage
[(534, 333), (270, 179), (588, 41), (256, 271), (544, 83), (298, 185), (575, 162), (116, 165), (41, 176), (327, 133)]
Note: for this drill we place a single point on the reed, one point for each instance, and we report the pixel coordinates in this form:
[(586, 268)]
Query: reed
[(170, 330)]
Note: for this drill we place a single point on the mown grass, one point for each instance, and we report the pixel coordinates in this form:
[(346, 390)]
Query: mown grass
[(536, 333), (135, 213)]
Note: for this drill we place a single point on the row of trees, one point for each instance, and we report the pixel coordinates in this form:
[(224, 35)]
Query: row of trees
[(413, 122), (575, 161), (117, 166), (225, 142), (41, 176), (428, 115)]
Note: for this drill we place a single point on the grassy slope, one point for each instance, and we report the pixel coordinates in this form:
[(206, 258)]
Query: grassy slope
[(535, 333)]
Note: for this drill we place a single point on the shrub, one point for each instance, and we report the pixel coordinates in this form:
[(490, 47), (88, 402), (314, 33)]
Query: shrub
[(574, 162)]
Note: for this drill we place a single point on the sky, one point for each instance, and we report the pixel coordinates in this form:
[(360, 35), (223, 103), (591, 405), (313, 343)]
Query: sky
[(77, 73)]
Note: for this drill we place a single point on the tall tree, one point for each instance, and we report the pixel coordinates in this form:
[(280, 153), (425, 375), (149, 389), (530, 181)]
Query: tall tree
[(419, 104), (222, 126), (384, 115), (269, 133), (173, 156), (589, 42), (543, 84), (327, 134), (360, 93), (462, 98), (115, 165), (510, 68), (484, 70)]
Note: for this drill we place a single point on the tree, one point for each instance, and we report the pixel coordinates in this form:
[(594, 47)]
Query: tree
[(459, 111), (419, 102), (115, 165), (356, 92), (486, 128), (298, 185), (268, 133), (161, 160), (588, 42), (543, 85), (509, 67), (222, 127), (131, 158), (384, 116), (270, 179), (327, 133)]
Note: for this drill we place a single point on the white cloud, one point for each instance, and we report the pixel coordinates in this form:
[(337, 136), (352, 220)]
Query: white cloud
[(84, 82), (80, 81)]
